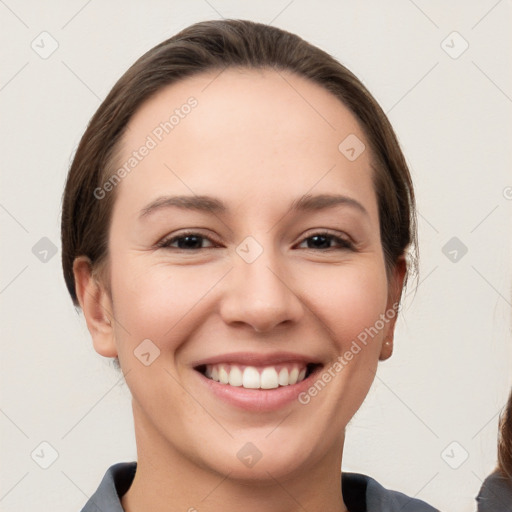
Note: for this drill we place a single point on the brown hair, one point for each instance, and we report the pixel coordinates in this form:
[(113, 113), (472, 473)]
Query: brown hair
[(505, 441), (212, 46)]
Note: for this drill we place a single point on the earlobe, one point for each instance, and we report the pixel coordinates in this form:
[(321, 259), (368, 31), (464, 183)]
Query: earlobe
[(395, 292), (96, 306), (386, 350)]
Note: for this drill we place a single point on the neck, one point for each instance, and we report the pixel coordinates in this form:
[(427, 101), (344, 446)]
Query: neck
[(168, 481)]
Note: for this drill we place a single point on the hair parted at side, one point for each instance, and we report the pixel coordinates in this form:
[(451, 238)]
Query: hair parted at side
[(205, 47)]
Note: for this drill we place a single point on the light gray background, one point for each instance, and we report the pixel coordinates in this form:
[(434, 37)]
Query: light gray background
[(451, 371)]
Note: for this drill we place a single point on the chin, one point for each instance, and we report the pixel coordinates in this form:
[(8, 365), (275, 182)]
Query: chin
[(262, 460)]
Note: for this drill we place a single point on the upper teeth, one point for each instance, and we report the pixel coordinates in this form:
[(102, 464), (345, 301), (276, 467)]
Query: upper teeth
[(250, 377)]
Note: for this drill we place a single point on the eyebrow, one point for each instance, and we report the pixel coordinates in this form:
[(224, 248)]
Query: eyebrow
[(210, 204)]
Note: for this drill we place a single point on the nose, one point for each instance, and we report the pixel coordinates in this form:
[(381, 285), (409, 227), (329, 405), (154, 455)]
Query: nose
[(261, 294)]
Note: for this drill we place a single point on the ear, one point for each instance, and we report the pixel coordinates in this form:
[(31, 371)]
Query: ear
[(96, 305), (395, 290)]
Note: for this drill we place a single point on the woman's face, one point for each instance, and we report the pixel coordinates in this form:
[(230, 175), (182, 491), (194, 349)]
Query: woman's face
[(259, 290)]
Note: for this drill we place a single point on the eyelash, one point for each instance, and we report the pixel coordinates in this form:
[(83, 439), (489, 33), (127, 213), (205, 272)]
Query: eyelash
[(166, 243)]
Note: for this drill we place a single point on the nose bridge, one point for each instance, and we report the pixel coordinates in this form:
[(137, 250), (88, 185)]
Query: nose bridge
[(260, 294)]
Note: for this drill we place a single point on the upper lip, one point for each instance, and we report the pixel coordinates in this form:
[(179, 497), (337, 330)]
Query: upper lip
[(256, 359)]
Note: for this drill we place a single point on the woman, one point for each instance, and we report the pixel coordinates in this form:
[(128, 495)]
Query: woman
[(496, 492), (235, 225)]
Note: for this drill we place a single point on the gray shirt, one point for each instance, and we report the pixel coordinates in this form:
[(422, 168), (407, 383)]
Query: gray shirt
[(360, 493), (495, 494)]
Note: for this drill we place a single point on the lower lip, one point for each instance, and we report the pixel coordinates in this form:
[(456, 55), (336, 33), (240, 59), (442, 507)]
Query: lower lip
[(259, 400)]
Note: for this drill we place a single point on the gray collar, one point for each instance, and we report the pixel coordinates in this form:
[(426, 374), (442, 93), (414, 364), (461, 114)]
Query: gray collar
[(360, 493)]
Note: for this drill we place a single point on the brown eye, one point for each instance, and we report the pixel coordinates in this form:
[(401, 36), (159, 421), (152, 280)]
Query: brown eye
[(323, 241), (185, 241)]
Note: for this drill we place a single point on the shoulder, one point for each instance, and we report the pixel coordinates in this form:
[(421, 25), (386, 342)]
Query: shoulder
[(114, 484), (362, 493), (495, 494)]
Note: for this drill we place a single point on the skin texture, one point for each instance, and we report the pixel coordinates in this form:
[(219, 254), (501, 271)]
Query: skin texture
[(257, 140)]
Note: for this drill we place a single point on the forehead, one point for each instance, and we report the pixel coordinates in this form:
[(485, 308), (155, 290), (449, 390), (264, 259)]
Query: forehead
[(257, 133)]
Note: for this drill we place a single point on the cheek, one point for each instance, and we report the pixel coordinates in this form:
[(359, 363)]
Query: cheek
[(157, 301), (348, 299)]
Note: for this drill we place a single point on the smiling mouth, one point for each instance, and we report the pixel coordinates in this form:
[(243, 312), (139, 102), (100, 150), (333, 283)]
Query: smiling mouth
[(258, 377)]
